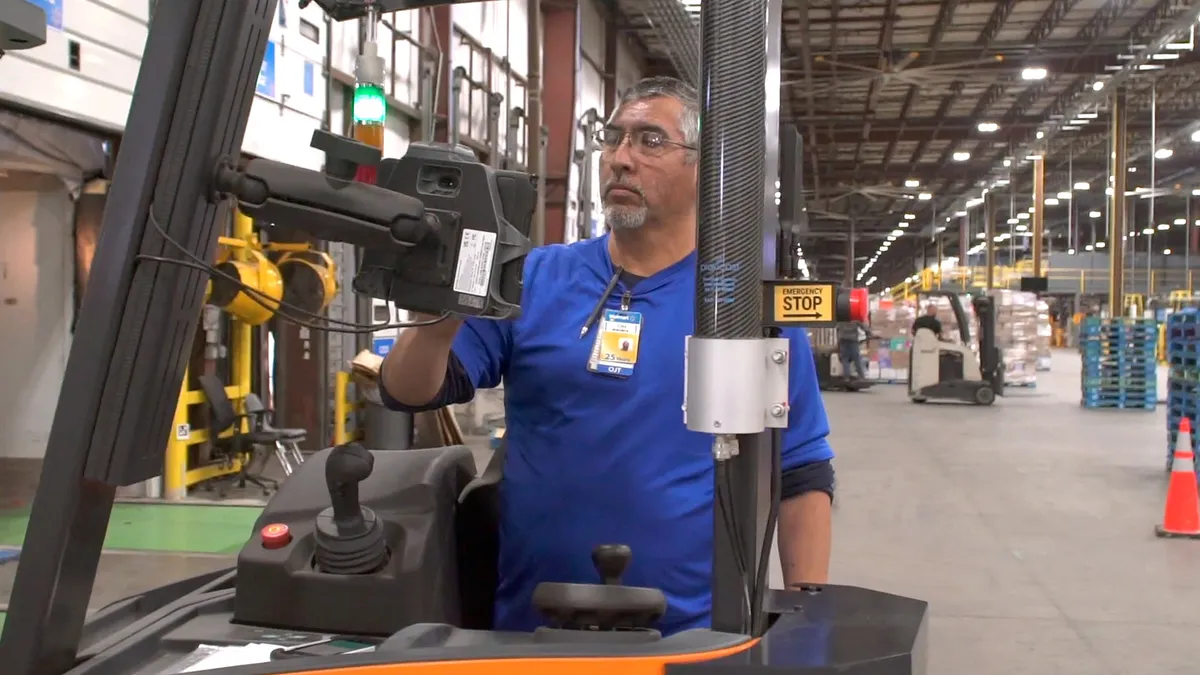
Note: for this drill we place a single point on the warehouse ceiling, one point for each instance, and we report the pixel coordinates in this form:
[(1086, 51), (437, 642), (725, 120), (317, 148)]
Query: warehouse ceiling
[(913, 107)]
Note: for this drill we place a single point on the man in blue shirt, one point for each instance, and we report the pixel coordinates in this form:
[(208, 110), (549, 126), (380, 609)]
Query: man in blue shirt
[(593, 374)]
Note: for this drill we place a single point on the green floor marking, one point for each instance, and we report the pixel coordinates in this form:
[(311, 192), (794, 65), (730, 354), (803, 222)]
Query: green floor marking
[(184, 528)]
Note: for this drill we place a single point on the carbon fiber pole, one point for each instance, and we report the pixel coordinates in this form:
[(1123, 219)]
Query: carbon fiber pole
[(732, 146)]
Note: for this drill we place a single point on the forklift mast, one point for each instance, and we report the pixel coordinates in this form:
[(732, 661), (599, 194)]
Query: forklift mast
[(991, 365)]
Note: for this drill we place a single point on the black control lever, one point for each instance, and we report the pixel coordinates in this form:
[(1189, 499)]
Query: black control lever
[(611, 561), (350, 538), (346, 467)]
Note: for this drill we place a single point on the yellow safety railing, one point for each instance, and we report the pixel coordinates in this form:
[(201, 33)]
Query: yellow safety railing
[(345, 409), (1064, 280)]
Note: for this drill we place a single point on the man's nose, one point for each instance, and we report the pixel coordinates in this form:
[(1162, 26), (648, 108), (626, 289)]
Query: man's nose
[(621, 157)]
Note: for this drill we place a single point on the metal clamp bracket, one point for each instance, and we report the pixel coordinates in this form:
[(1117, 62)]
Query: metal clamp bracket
[(720, 398)]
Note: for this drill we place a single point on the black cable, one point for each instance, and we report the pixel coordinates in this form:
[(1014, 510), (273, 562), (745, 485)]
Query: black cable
[(761, 580), (256, 295), (725, 508), (267, 302)]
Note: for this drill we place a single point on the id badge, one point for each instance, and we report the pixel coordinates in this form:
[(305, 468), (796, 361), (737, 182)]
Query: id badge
[(615, 351)]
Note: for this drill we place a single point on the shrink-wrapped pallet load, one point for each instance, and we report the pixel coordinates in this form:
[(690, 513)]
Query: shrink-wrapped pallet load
[(1016, 335), (887, 356), (1045, 332)]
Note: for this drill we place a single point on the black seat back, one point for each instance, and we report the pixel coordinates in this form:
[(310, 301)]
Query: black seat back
[(223, 414), (478, 540), (254, 404)]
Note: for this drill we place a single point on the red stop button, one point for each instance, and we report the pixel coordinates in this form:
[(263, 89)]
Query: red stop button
[(276, 535), (859, 304)]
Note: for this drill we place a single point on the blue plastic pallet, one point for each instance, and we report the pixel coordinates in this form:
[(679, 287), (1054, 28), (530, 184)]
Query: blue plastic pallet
[(1146, 371), (1118, 335), (1129, 397), (1119, 405)]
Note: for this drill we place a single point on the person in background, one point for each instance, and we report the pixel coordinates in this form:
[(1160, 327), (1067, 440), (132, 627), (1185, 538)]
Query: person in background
[(597, 450), (928, 321), (850, 348)]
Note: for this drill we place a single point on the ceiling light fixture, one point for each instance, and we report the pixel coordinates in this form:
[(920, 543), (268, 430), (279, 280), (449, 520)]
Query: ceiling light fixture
[(1033, 74)]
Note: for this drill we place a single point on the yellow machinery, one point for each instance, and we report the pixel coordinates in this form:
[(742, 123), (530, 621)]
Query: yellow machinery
[(303, 279), (345, 409)]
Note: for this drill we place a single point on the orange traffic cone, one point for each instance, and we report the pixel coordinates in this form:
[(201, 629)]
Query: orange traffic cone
[(1182, 514)]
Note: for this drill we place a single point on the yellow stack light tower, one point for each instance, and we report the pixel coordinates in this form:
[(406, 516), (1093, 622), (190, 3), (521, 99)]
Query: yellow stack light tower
[(370, 102)]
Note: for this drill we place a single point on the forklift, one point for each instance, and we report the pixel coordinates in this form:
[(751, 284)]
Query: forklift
[(945, 371)]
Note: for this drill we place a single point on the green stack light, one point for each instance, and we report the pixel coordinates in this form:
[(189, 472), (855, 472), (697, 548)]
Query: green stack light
[(370, 104)]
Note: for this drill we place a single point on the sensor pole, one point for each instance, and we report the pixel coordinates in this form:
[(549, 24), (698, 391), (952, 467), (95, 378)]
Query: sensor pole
[(733, 370)]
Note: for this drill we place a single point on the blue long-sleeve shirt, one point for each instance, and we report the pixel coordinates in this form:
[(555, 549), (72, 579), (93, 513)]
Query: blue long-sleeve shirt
[(596, 459)]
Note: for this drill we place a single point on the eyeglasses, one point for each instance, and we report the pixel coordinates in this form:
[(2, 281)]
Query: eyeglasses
[(651, 142)]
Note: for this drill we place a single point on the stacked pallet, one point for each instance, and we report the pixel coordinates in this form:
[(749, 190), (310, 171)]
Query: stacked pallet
[(1119, 368), (1183, 379)]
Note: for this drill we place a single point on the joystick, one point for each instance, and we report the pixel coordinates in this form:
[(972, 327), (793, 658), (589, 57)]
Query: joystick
[(610, 560), (605, 606), (349, 537)]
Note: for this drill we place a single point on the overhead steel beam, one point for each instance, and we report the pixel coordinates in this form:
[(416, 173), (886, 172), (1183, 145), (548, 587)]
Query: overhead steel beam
[(943, 65), (922, 129), (677, 29)]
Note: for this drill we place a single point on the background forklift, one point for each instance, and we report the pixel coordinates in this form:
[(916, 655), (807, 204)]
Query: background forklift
[(946, 371)]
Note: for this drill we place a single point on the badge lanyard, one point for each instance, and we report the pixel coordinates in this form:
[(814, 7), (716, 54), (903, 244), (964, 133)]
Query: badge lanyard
[(615, 349)]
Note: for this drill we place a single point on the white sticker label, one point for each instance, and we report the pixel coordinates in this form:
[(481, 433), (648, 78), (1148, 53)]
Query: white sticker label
[(473, 275), (183, 432)]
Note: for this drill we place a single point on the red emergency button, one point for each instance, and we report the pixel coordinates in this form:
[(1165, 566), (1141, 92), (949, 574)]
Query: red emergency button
[(859, 301), (276, 535)]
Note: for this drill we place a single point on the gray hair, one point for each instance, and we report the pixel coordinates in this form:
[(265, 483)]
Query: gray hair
[(670, 87)]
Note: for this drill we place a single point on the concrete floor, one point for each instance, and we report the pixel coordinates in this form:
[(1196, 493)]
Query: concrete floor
[(1028, 526)]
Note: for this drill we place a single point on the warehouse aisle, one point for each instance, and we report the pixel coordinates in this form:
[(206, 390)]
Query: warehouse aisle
[(1028, 526)]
